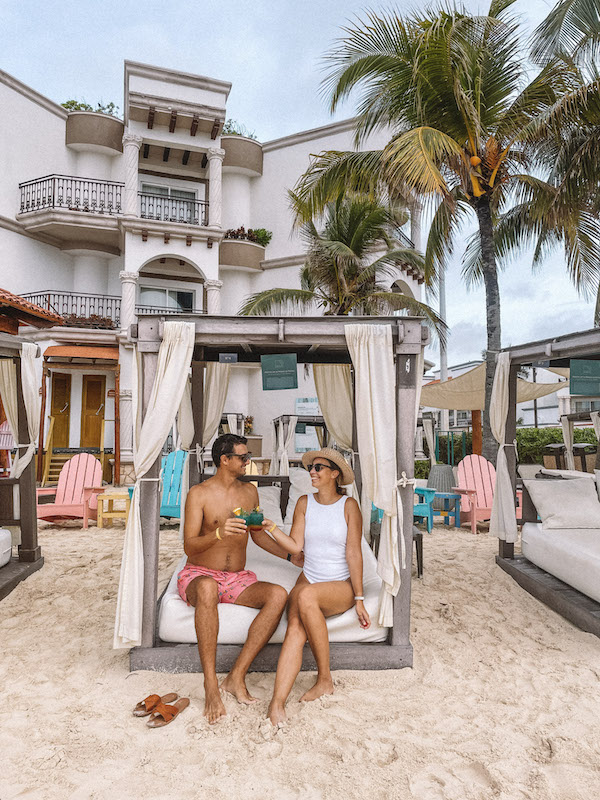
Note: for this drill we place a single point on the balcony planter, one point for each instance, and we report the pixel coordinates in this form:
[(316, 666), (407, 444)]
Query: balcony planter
[(241, 253), (242, 155), (90, 130)]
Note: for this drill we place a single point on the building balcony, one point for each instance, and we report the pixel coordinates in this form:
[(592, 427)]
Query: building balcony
[(241, 253), (81, 310), (83, 213), (172, 209)]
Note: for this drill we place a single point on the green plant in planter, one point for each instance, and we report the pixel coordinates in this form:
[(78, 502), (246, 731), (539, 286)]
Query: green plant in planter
[(261, 236), (233, 128)]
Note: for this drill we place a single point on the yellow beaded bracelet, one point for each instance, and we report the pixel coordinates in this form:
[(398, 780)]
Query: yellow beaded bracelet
[(273, 528)]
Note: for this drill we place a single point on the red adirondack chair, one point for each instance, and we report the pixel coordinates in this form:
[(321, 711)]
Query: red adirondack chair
[(79, 483), (476, 482)]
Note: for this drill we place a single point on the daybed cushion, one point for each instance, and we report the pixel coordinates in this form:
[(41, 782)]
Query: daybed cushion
[(565, 504), (300, 483), (5, 546), (571, 555), (269, 500), (176, 618)]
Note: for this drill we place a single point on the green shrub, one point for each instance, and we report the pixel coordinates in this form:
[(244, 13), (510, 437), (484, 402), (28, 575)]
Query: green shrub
[(531, 441), (261, 236), (422, 469), (458, 450)]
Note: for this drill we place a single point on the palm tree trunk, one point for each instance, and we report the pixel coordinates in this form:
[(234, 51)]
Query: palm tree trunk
[(492, 304)]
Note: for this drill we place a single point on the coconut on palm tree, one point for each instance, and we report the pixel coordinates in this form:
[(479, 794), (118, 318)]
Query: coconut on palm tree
[(455, 93), (350, 264)]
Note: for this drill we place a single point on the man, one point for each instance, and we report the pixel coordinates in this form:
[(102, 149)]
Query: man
[(215, 544)]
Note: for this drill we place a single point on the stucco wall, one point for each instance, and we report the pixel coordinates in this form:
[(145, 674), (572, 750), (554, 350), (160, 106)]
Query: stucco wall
[(29, 265)]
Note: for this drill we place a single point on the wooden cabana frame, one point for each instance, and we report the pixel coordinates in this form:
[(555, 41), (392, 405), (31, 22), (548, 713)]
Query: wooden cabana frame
[(314, 340), (566, 601), (30, 557)]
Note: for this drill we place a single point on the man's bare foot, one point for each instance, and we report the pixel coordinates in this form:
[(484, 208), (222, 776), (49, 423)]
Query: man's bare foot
[(213, 705), (237, 688), (276, 713), (320, 688)]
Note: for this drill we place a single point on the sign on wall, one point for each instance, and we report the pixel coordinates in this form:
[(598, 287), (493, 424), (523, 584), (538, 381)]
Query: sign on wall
[(279, 371), (584, 377), (306, 435)]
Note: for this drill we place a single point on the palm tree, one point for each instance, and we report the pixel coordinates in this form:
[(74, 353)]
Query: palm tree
[(345, 270), (461, 107)]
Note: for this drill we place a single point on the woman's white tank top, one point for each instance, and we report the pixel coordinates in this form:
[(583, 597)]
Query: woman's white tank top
[(325, 534)]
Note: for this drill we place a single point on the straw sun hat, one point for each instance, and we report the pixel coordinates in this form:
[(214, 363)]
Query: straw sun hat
[(346, 472)]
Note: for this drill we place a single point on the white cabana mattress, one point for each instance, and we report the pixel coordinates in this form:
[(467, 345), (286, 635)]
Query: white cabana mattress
[(176, 618), (571, 555)]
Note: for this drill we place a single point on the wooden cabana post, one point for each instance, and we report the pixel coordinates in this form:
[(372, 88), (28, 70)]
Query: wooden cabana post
[(314, 340)]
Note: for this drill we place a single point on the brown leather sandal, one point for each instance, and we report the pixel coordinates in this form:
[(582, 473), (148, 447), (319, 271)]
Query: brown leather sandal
[(145, 707), (163, 714)]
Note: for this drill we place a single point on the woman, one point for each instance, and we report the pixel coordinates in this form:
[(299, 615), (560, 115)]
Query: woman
[(327, 525)]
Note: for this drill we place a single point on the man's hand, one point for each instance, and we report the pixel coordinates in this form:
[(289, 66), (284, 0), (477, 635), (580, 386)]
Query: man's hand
[(233, 527), (298, 560)]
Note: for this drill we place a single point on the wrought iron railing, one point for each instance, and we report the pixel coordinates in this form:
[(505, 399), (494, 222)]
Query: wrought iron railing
[(173, 209), (74, 194), (158, 310), (80, 309)]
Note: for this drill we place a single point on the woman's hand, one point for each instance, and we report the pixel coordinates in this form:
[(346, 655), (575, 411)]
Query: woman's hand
[(363, 617)]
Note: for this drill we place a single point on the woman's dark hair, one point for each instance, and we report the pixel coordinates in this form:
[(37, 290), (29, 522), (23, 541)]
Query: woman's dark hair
[(339, 489), (224, 444)]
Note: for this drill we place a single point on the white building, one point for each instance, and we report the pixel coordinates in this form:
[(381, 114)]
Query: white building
[(104, 220)]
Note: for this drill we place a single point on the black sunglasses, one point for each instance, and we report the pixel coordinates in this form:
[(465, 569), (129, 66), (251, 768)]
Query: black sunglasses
[(244, 456), (318, 467)]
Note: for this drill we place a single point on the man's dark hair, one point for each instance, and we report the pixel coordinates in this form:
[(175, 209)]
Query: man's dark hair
[(224, 444)]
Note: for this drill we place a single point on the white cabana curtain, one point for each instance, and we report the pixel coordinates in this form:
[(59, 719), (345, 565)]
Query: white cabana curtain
[(174, 358), (334, 391), (216, 383), (31, 398), (371, 351), (567, 429), (430, 438), (284, 444), (595, 416), (274, 465), (503, 522), (234, 425)]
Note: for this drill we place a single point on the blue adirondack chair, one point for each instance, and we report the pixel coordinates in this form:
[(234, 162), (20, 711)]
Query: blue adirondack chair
[(424, 508), (172, 468)]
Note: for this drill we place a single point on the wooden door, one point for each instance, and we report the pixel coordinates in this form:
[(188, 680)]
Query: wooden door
[(93, 398), (60, 408)]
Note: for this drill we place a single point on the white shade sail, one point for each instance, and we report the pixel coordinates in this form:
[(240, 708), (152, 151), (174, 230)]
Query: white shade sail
[(467, 391)]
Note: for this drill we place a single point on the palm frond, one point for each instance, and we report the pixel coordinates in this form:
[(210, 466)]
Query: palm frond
[(271, 301), (389, 302), (416, 159), (571, 29)]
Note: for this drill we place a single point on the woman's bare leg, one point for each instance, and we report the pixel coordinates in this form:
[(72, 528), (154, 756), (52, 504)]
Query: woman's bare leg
[(290, 659), (316, 601)]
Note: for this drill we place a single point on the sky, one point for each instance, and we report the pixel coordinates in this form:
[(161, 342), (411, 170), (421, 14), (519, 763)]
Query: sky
[(272, 52)]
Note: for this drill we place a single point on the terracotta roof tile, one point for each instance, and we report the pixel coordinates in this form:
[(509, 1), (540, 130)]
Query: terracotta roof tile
[(10, 300)]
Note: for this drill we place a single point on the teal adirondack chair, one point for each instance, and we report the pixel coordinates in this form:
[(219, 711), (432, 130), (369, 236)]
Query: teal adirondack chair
[(424, 508), (172, 469)]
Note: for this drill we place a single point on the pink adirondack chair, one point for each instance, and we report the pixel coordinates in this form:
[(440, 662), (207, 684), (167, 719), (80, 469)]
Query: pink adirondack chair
[(477, 479), (79, 484)]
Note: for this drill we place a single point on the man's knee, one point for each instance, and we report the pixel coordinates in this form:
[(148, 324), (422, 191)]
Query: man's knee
[(206, 592), (278, 596)]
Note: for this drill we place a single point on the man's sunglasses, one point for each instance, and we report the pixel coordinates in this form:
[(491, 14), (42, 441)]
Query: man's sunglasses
[(244, 456), (318, 467)]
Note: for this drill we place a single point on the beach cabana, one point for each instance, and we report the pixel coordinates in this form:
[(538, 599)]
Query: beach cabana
[(573, 555), (19, 392), (385, 351)]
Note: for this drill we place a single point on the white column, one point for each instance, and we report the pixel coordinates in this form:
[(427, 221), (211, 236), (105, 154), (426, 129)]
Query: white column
[(126, 412), (213, 296), (215, 186), (131, 151), (128, 289)]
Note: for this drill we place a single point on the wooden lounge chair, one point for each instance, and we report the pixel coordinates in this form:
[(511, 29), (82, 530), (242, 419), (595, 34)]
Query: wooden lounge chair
[(79, 483), (172, 469), (424, 508)]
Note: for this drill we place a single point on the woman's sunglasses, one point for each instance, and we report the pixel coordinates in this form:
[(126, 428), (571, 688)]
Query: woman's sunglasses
[(318, 467)]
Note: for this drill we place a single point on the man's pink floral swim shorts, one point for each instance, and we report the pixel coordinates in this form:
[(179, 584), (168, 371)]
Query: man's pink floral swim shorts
[(230, 585)]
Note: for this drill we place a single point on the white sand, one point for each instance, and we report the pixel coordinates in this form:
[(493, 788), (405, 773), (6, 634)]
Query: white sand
[(502, 702)]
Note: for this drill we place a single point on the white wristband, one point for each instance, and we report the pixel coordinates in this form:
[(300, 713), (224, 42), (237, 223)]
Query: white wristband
[(359, 597)]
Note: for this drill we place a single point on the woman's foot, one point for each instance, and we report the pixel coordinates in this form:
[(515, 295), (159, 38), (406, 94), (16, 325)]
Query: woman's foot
[(276, 713), (321, 687), (213, 705), (237, 687)]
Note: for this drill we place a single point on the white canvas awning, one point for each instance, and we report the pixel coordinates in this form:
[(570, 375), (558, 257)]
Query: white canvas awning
[(467, 391)]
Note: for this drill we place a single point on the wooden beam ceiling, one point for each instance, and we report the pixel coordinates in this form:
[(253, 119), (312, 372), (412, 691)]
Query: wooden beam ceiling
[(166, 153), (185, 157), (194, 126), (204, 161), (215, 129), (146, 151)]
